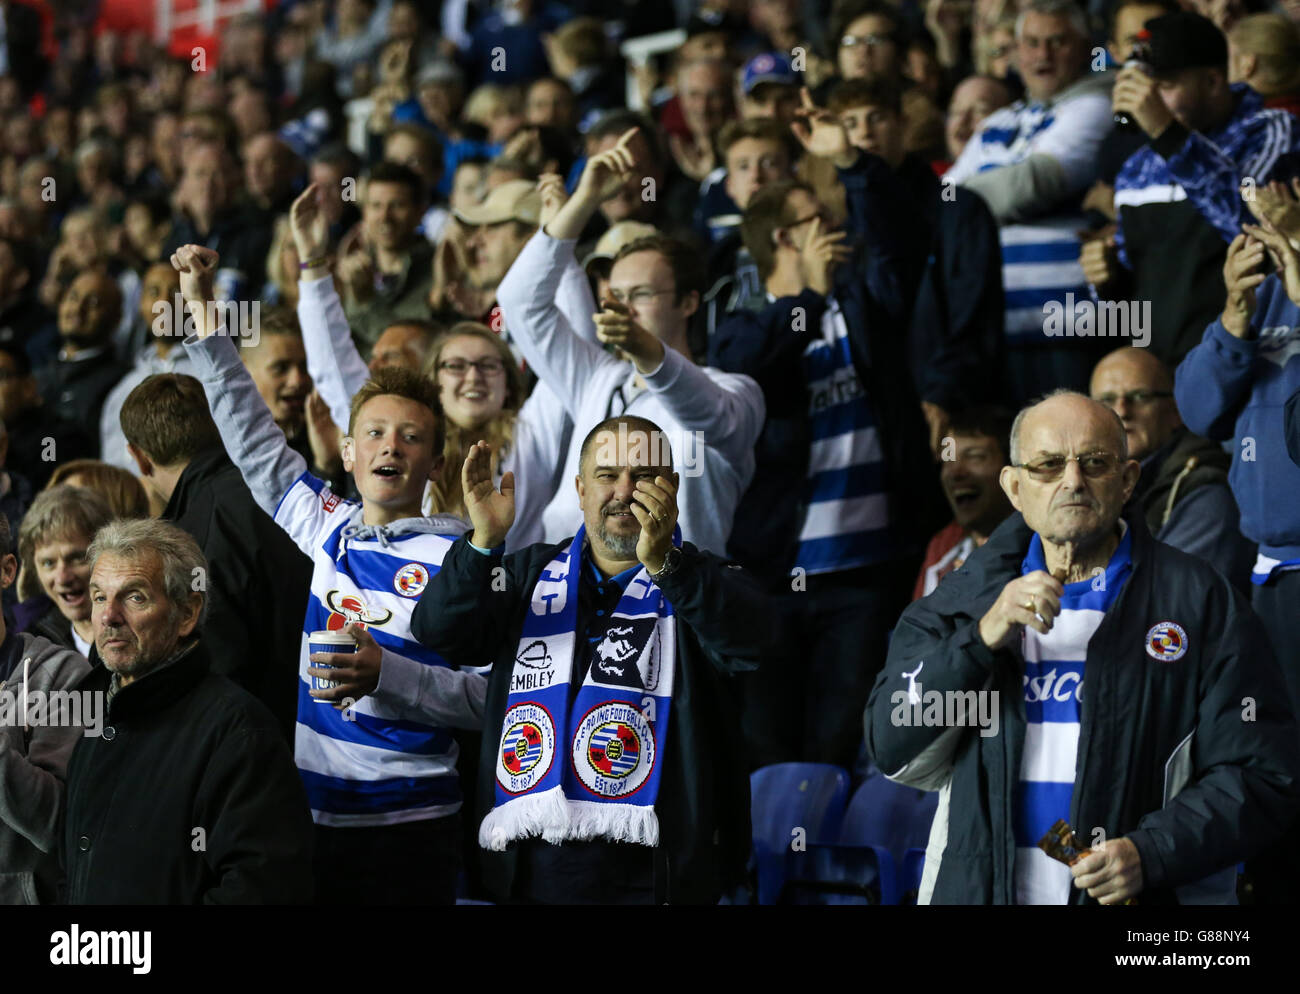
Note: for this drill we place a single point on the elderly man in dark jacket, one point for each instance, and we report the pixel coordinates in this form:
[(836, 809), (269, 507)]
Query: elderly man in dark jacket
[(189, 795), (258, 580), (1182, 759), (605, 717)]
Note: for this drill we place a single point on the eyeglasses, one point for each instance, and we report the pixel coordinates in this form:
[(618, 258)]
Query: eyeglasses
[(1093, 465), (825, 219), (641, 295), (1138, 398), (871, 41), (460, 367)]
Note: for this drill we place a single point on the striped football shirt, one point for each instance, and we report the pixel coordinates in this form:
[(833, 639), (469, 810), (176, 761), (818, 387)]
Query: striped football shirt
[(846, 523), (367, 766), (1054, 674)]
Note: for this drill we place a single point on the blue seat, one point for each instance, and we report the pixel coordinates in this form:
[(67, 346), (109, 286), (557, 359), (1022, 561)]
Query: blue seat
[(890, 815), (789, 796), (835, 874), (910, 876)]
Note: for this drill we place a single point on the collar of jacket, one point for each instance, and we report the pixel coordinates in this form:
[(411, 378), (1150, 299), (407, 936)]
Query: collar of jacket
[(1002, 555), (156, 690), (433, 524), (201, 469)]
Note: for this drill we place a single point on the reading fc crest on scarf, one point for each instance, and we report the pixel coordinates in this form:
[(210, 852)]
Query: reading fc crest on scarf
[(613, 750), (607, 779)]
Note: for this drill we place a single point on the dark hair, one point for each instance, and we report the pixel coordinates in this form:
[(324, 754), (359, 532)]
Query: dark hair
[(338, 154), (851, 93), (155, 203), (392, 172), (685, 262), (633, 421), (25, 256), (6, 537), (988, 420), (16, 352), (756, 127), (766, 212), (167, 418), (618, 121), (846, 13)]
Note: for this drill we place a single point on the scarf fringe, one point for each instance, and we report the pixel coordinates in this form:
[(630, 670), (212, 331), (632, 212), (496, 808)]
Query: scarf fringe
[(554, 818), (525, 817)]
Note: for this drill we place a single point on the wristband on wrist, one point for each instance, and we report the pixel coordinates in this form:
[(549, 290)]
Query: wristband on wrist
[(313, 263)]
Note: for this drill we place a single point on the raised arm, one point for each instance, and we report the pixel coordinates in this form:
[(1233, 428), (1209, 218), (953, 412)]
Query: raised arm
[(253, 440), (335, 365)]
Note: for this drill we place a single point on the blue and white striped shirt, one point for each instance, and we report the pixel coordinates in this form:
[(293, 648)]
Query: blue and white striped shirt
[(847, 519), (369, 767), (1053, 690)]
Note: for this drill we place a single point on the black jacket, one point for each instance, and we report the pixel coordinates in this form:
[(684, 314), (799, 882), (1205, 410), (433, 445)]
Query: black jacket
[(189, 796), (768, 345), (956, 344), (724, 623), (75, 389), (1166, 755), (31, 452), (258, 583)]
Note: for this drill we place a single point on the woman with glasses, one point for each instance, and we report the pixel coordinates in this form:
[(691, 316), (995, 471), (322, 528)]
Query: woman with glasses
[(479, 383)]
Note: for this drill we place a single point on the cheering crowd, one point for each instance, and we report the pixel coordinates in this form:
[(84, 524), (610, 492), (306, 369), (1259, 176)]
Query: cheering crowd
[(442, 455)]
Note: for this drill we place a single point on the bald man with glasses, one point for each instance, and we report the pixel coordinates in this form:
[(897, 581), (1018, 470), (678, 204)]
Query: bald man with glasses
[(1182, 758), (1183, 489)]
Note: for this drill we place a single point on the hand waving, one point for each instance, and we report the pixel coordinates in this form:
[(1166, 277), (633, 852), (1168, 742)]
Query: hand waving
[(821, 133), (311, 231), (606, 173), (491, 511)]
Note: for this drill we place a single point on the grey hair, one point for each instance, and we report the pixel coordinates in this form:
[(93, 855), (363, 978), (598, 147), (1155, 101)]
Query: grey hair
[(1065, 392), (180, 554), (1054, 8)]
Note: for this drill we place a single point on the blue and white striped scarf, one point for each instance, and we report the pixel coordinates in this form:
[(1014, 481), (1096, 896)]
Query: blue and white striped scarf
[(591, 770)]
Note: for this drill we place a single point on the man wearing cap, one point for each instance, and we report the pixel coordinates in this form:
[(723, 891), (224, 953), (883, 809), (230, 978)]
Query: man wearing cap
[(769, 88), (1205, 139), (386, 269), (598, 264)]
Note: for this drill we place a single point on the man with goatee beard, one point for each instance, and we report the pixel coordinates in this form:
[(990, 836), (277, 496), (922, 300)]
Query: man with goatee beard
[(75, 384)]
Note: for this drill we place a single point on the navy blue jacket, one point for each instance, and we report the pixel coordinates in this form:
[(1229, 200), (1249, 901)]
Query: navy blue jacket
[(872, 290)]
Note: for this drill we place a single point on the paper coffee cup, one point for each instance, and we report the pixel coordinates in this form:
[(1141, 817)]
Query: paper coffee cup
[(327, 642)]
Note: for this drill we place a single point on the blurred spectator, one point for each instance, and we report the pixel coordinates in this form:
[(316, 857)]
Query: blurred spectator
[(354, 37), (951, 267), (76, 382), (705, 90), (1264, 53), (125, 494), (973, 99), (384, 267), (1205, 137), (550, 101), (22, 317), (164, 323), (1183, 489), (416, 148), (769, 88), (1030, 162), (207, 213), (272, 174), (56, 531), (38, 437), (506, 44), (577, 56), (36, 755), (868, 37), (843, 495), (977, 442)]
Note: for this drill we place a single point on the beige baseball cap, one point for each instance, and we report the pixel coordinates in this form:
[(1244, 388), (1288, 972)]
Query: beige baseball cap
[(514, 200), (613, 240)]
